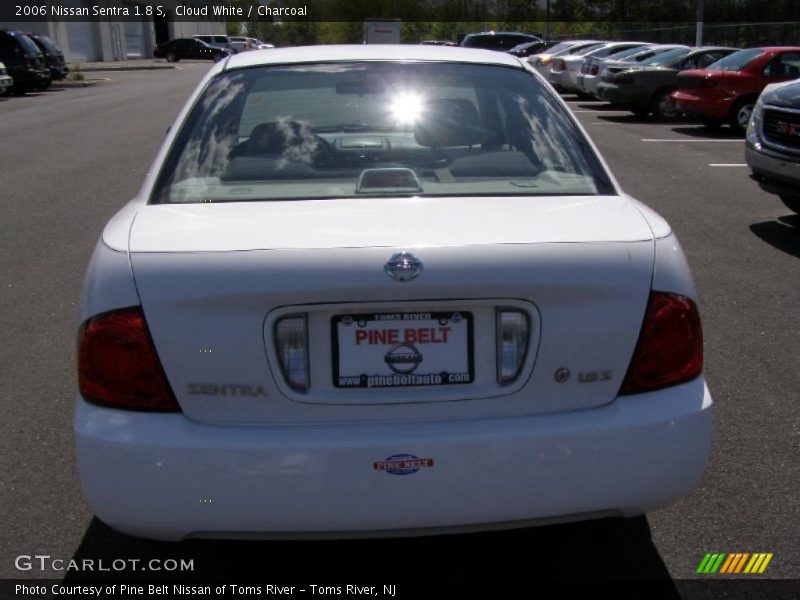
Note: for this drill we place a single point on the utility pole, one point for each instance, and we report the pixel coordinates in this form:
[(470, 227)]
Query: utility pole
[(698, 38), (547, 21)]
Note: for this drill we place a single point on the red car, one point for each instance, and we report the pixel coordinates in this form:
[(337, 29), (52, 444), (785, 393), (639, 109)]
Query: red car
[(728, 89)]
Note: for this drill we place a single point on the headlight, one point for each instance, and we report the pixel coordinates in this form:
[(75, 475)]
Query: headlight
[(754, 126)]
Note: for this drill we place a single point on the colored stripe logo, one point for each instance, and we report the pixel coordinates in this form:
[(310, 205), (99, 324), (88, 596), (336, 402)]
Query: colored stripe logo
[(734, 563)]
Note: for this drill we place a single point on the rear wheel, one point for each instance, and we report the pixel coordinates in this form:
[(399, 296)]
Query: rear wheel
[(662, 105), (791, 203), (741, 113), (171, 57)]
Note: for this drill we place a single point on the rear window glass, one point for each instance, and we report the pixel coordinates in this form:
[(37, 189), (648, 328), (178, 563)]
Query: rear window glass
[(220, 39), (27, 44), (49, 44), (667, 57), (372, 129), (737, 61)]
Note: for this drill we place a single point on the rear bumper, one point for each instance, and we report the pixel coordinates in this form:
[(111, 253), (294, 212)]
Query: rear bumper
[(164, 476), (692, 104), (625, 95)]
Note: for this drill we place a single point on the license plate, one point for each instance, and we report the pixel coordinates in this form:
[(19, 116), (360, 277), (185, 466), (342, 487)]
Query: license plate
[(381, 350)]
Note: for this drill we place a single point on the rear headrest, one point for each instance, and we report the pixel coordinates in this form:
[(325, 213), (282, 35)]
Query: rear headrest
[(449, 122)]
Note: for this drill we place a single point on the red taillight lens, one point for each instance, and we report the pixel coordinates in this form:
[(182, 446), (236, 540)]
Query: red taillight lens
[(670, 347), (558, 65), (594, 69), (118, 365)]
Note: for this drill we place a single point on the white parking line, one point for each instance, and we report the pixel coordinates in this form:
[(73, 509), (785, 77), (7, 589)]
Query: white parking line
[(727, 164), (712, 141)]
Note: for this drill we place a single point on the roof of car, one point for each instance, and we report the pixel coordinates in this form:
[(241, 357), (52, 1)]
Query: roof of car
[(378, 52)]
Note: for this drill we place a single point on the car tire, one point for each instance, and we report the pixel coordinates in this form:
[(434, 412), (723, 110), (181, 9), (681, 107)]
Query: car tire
[(44, 86), (662, 107), (711, 123), (741, 113), (171, 57), (792, 203)]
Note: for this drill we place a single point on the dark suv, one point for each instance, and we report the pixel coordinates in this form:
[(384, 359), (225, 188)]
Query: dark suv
[(24, 61), (498, 40), (53, 56)]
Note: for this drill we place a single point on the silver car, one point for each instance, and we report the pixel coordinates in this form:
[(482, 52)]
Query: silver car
[(772, 146), (5, 79)]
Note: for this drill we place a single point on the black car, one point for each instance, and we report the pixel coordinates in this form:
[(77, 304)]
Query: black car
[(53, 56), (174, 50), (498, 40), (24, 61), (529, 48)]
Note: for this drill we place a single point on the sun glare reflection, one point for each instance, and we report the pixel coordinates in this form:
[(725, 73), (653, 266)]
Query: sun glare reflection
[(406, 107)]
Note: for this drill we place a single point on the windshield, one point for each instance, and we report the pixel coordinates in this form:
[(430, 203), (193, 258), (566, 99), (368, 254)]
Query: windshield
[(666, 57), (736, 61), (380, 128)]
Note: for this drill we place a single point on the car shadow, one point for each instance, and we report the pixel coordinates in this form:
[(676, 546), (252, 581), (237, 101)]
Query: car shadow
[(604, 548), (631, 119), (698, 131), (601, 107), (783, 234)]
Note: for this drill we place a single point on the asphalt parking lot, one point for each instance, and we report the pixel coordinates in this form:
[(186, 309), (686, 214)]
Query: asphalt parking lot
[(69, 159)]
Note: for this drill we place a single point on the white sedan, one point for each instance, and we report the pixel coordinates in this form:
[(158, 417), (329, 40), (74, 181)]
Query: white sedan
[(394, 290)]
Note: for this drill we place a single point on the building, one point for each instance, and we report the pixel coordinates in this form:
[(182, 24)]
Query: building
[(114, 39)]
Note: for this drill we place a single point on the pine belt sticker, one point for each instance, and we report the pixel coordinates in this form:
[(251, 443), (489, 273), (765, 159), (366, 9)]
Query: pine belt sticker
[(402, 464)]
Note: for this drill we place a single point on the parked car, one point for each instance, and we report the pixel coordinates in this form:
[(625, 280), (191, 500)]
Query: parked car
[(530, 48), (217, 41), (647, 87), (24, 62), (242, 44), (593, 67), (543, 62), (286, 320), (565, 71), (498, 40), (727, 90), (5, 80), (53, 55), (438, 43), (189, 48), (772, 143)]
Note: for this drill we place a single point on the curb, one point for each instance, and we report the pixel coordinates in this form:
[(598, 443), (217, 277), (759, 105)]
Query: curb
[(142, 68), (80, 84)]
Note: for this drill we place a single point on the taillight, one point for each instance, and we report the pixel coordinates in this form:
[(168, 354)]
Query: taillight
[(291, 342), (118, 365), (558, 65), (594, 69), (670, 347), (512, 343)]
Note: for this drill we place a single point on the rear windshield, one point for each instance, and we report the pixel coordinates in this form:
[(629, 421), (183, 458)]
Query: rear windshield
[(220, 39), (27, 44), (737, 60), (48, 43), (372, 129), (665, 58)]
